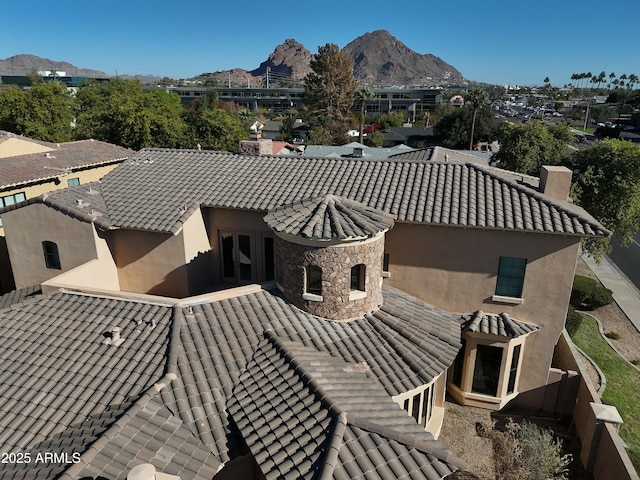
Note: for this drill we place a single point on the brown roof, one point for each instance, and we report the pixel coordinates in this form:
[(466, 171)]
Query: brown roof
[(64, 158), (329, 217), (502, 325), (157, 189)]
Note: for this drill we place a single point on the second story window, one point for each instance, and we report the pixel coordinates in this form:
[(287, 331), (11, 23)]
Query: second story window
[(510, 279), (72, 182), (51, 255), (314, 280), (357, 277)]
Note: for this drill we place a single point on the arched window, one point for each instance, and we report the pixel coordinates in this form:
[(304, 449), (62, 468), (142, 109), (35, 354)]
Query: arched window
[(51, 255), (314, 280)]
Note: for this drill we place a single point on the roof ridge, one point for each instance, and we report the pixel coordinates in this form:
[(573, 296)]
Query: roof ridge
[(406, 439), (94, 448)]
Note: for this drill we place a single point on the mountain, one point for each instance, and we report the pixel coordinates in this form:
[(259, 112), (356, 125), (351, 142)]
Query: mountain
[(380, 58), (27, 64), (290, 60)]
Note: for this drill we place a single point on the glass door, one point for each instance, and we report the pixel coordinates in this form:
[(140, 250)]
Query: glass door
[(237, 257)]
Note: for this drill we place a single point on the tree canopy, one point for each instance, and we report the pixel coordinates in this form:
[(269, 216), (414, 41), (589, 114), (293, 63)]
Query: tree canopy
[(454, 127), (607, 185), (330, 87), (43, 112), (525, 147)]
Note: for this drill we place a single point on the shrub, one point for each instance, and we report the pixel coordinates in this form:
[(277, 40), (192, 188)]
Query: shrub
[(527, 452), (612, 335), (581, 290), (600, 297), (588, 294)]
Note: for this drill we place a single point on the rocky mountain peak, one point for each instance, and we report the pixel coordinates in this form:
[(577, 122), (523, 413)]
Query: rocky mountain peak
[(380, 58), (290, 59)]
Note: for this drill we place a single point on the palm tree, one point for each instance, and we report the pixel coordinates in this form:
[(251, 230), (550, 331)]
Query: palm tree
[(476, 98), (362, 95), (612, 75), (633, 79)]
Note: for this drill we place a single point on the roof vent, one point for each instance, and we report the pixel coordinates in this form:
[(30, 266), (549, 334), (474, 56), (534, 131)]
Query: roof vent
[(115, 339)]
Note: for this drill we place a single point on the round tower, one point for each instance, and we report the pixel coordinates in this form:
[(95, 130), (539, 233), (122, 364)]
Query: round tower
[(329, 255)]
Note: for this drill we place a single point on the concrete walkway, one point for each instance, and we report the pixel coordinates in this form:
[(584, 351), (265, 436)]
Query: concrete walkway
[(625, 293)]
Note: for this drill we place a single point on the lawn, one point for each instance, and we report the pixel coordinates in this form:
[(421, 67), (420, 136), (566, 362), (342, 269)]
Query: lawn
[(623, 381)]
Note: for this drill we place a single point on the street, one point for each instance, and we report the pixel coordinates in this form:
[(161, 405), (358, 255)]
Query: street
[(627, 259)]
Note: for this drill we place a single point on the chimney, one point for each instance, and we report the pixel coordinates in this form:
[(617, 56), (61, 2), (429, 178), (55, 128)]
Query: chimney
[(555, 181)]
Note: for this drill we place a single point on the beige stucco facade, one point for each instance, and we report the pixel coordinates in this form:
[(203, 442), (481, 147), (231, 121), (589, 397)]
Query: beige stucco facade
[(28, 227), (456, 269)]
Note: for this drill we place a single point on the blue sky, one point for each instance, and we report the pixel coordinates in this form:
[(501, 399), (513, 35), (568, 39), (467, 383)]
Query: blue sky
[(502, 42)]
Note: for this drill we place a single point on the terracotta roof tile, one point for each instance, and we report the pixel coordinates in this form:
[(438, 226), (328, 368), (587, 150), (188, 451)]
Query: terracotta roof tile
[(64, 157)]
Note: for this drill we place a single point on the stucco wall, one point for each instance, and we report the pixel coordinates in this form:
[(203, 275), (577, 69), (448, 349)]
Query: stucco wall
[(150, 262), (455, 268), (28, 227)]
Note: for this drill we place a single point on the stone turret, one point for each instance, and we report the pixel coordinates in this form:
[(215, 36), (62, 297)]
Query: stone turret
[(329, 255)]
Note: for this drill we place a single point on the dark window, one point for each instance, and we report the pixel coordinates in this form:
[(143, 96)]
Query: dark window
[(415, 408), (385, 262), (357, 277), (244, 251), (51, 256), (511, 276), (487, 370), (513, 371), (228, 263), (314, 280)]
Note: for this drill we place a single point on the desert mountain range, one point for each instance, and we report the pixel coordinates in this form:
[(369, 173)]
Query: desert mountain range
[(378, 57)]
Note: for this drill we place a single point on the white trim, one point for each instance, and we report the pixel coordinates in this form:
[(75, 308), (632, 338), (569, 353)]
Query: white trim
[(357, 295), (508, 300), (312, 297)]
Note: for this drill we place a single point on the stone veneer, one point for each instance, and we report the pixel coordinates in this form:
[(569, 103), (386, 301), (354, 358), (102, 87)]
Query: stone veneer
[(336, 262)]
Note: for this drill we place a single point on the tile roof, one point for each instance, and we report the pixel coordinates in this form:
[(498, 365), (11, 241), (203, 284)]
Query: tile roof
[(318, 398), (17, 296), (329, 217), (158, 189), (502, 324), (163, 395), (65, 157), (147, 433), (60, 384)]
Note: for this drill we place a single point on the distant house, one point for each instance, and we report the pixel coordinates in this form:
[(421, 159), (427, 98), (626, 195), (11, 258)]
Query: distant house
[(29, 168), (353, 150), (283, 316)]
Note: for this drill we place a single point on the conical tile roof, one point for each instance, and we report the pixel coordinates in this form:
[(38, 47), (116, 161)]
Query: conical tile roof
[(329, 217)]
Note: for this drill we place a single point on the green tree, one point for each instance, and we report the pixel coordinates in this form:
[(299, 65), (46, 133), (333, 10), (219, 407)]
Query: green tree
[(43, 112), (607, 185), (525, 147), (476, 98), (362, 95), (121, 112), (454, 127), (217, 129), (330, 87)]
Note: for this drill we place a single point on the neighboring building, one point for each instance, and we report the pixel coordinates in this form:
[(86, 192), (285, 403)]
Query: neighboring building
[(29, 168), (385, 283), (413, 100)]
